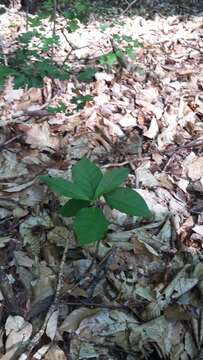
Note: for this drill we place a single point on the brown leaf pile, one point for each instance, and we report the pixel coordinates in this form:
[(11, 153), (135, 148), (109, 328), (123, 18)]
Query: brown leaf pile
[(142, 294)]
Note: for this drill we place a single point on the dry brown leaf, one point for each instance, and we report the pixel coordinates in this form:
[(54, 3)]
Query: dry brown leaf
[(38, 135), (55, 353)]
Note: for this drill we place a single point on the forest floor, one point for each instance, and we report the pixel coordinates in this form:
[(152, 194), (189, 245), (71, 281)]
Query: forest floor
[(142, 296)]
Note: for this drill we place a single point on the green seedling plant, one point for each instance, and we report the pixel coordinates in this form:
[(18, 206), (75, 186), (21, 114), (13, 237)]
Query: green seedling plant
[(88, 185)]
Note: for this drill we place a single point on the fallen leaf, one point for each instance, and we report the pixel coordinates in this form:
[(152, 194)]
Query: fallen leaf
[(195, 169), (73, 320), (38, 136)]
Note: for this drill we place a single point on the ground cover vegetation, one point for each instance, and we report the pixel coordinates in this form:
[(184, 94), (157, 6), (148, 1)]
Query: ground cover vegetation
[(101, 179)]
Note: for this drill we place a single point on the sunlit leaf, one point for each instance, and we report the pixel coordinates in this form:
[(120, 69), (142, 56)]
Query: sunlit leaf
[(64, 187), (128, 201)]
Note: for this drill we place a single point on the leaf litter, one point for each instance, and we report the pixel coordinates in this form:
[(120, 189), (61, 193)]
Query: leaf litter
[(142, 293)]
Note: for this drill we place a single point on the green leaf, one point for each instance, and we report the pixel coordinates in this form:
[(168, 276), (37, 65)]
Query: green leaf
[(87, 177), (72, 207), (48, 42), (117, 38), (61, 108), (108, 59), (128, 201), (90, 225), (103, 27), (81, 100), (64, 187), (87, 74), (26, 37), (73, 25), (111, 180)]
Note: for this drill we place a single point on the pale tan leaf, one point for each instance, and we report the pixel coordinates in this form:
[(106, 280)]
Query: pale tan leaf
[(39, 136), (52, 325)]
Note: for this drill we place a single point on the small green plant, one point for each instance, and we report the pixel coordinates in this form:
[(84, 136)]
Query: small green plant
[(122, 45), (108, 59), (87, 186), (86, 74), (34, 57), (61, 108), (81, 100), (129, 44)]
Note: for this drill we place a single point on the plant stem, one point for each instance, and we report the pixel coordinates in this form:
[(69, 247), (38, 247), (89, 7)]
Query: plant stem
[(54, 28), (27, 12)]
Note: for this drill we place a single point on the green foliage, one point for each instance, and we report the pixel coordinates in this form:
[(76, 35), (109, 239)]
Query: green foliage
[(124, 45), (26, 37), (81, 100), (5, 71), (88, 185), (90, 225), (48, 42), (33, 73), (36, 21), (65, 187), (87, 176), (86, 74), (72, 207), (108, 59), (61, 108), (28, 66), (130, 44), (32, 60), (111, 180), (79, 11), (124, 200), (73, 25), (104, 27)]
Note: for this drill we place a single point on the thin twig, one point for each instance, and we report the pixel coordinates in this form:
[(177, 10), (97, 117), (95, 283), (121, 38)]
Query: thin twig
[(2, 50), (9, 141), (128, 7), (99, 305), (54, 29), (115, 165), (91, 275), (94, 259), (100, 271), (191, 144), (27, 15)]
